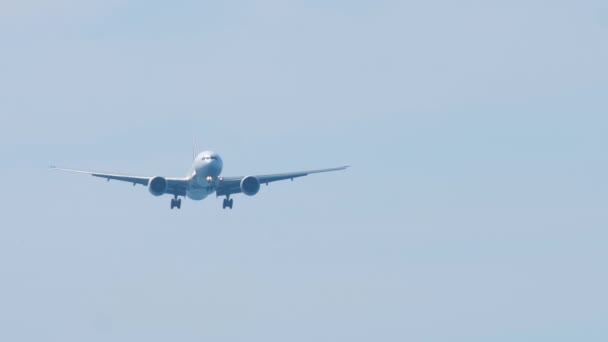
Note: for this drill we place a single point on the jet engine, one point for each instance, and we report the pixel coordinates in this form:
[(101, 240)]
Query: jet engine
[(250, 185), (158, 186)]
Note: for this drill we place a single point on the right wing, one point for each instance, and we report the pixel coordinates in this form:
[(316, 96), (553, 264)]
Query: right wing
[(232, 185), (176, 186)]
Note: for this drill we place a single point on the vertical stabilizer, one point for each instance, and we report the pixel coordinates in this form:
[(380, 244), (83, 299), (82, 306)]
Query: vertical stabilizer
[(193, 148)]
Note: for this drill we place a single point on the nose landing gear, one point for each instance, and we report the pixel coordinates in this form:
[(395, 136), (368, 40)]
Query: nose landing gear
[(227, 203)]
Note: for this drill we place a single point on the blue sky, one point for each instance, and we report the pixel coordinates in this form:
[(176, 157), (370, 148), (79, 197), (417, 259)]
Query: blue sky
[(475, 209)]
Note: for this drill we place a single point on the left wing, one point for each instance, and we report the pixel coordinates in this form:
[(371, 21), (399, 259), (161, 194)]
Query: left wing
[(175, 186), (232, 185)]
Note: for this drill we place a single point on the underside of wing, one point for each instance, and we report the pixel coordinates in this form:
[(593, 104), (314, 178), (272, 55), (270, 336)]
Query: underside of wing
[(175, 186), (232, 185)]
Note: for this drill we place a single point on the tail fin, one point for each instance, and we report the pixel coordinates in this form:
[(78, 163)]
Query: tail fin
[(193, 148)]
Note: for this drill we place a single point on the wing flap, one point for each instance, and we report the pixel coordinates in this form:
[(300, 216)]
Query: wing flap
[(130, 179)]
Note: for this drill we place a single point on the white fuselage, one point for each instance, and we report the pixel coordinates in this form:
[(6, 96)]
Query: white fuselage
[(207, 167)]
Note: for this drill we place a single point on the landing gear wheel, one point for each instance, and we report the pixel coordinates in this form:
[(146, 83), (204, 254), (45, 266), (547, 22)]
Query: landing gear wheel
[(227, 203), (176, 203)]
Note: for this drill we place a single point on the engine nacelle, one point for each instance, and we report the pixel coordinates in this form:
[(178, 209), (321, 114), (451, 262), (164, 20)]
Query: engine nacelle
[(250, 185), (158, 186)]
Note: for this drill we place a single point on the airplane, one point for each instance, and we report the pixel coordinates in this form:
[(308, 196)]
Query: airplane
[(204, 180)]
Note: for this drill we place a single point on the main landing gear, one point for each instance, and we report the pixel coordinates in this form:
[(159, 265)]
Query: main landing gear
[(176, 203), (227, 203)]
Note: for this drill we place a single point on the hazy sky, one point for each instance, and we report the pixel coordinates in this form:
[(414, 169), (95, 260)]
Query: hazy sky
[(475, 210)]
